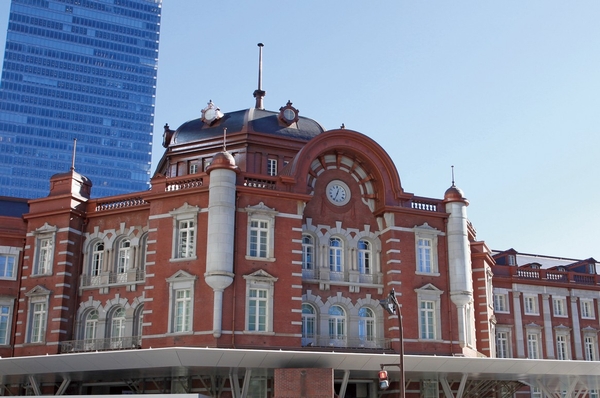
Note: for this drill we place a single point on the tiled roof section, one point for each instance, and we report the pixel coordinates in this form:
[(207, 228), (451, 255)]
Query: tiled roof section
[(13, 207), (250, 120)]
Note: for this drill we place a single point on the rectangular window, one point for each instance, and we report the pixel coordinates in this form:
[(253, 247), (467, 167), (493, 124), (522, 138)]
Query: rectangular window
[(44, 258), (187, 240), (531, 306), (4, 324), (272, 167), (259, 232), (427, 320), (38, 322), (561, 347), (193, 168), (589, 343), (559, 305), (257, 310), (7, 266), (533, 349), (501, 302), (429, 389), (424, 256), (502, 345), (183, 304), (587, 309)]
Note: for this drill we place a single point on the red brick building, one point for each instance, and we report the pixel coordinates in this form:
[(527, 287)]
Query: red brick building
[(264, 235)]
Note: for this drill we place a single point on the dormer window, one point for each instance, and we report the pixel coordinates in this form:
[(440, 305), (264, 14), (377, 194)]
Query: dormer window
[(211, 113), (288, 114), (561, 269)]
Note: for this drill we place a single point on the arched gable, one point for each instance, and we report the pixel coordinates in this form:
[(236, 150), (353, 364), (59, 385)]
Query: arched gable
[(367, 162)]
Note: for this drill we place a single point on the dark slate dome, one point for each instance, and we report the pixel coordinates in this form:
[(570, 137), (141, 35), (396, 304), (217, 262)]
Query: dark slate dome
[(247, 120)]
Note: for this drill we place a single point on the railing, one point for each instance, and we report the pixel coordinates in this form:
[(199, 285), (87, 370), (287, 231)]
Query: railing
[(353, 277), (355, 342), (120, 203), (113, 343), (184, 183), (113, 278), (421, 205), (546, 275), (260, 183)]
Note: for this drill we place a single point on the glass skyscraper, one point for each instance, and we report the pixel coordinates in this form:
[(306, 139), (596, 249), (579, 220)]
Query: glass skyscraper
[(85, 70)]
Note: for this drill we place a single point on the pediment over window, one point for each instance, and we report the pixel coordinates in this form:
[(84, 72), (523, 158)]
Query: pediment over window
[(261, 275), (38, 291), (185, 209), (533, 326), (181, 276), (429, 288), (427, 229), (589, 329), (261, 208), (46, 229)]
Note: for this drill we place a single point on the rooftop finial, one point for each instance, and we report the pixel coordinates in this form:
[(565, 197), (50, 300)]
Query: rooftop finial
[(73, 156), (224, 139), (453, 175), (259, 94)]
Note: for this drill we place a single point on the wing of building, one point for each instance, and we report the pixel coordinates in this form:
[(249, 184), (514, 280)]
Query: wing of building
[(255, 266)]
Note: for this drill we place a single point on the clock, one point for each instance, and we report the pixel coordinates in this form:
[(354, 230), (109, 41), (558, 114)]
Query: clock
[(338, 192)]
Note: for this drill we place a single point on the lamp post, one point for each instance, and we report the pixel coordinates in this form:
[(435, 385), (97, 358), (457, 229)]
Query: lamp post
[(391, 305)]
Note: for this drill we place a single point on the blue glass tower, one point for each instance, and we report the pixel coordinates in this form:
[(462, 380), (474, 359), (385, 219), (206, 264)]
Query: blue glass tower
[(85, 70)]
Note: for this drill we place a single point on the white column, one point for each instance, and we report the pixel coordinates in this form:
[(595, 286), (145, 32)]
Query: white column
[(548, 327), (518, 324), (576, 328)]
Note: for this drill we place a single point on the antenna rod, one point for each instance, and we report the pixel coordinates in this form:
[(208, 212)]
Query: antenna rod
[(259, 94), (74, 151), (224, 139), (453, 175)]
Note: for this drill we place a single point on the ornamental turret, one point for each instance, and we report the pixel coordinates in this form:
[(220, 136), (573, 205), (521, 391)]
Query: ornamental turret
[(221, 231), (459, 258)]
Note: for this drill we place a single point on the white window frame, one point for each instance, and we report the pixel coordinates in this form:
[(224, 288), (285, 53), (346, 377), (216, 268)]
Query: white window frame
[(181, 218), (181, 281), (590, 346), (308, 252), (257, 214), (260, 281), (425, 295), (37, 319), (8, 265), (193, 168), (366, 325), (45, 243), (336, 254), (124, 256), (430, 389), (533, 337), (97, 258), (272, 167), (501, 303), (309, 323), (90, 326), (503, 342), (426, 243), (337, 324), (587, 309), (365, 257), (182, 312), (562, 345), (6, 314), (117, 327), (559, 307), (531, 304)]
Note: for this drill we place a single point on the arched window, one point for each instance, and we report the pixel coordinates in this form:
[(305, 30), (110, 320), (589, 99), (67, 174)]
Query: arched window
[(308, 251), (364, 257), (308, 322), (97, 258), (337, 323), (144, 252), (335, 254), (366, 324), (91, 325), (117, 328), (138, 323), (124, 255)]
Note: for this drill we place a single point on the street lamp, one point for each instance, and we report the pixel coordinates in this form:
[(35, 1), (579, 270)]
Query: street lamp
[(391, 305)]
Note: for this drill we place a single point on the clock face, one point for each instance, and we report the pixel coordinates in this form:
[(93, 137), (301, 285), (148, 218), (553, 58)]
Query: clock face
[(289, 115), (209, 114), (338, 192)]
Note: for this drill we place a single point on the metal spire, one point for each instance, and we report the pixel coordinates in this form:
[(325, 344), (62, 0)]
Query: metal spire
[(73, 156), (259, 94), (453, 175)]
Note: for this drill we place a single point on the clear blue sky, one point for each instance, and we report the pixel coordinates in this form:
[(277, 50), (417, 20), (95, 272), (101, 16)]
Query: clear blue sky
[(506, 91)]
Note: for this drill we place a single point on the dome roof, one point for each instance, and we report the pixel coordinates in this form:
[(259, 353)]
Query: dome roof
[(248, 120), (455, 194)]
